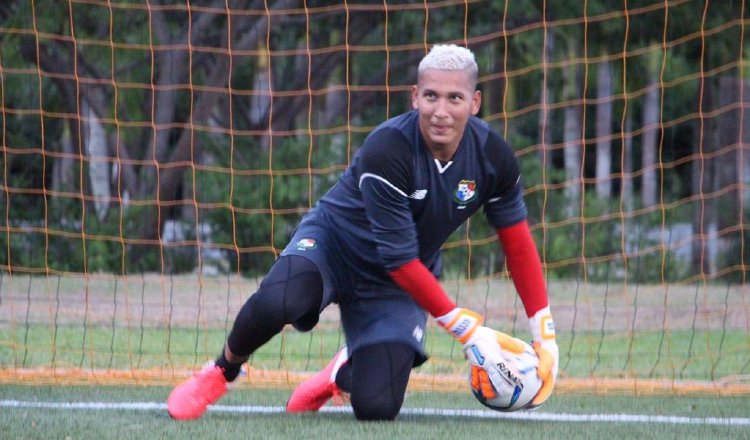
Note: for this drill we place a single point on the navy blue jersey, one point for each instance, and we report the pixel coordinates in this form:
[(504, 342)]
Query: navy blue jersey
[(395, 202)]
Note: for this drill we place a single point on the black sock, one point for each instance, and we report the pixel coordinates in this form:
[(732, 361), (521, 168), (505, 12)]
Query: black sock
[(231, 370)]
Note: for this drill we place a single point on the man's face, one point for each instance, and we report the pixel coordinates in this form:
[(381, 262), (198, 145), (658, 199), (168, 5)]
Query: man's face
[(445, 100)]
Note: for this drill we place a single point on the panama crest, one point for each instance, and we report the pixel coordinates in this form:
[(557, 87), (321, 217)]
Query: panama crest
[(465, 192), (306, 243)]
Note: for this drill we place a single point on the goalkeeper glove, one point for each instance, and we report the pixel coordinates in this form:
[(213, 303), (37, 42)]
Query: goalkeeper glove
[(481, 346), (480, 380), (544, 343), (460, 323)]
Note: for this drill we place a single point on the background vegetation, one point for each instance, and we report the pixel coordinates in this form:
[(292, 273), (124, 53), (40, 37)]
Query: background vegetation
[(148, 144), (177, 136)]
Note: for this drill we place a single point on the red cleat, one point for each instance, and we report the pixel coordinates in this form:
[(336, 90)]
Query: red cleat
[(313, 393), (190, 399)]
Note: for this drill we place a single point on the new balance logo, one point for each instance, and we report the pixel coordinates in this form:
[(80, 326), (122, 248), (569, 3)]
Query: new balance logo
[(418, 194), (418, 333)]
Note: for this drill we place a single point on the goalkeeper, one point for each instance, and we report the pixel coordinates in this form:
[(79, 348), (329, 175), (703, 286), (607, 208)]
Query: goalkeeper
[(372, 245)]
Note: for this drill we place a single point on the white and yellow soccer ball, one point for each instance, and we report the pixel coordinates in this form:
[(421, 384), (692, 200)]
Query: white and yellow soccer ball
[(506, 380)]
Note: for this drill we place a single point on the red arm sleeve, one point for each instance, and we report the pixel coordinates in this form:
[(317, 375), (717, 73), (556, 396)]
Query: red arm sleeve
[(525, 266), (421, 284)]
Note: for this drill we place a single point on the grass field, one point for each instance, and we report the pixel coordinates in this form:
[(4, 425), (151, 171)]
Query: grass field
[(256, 414), (683, 354), (674, 335), (674, 332)]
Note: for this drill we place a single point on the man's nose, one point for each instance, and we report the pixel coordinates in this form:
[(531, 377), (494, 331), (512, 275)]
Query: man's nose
[(441, 108)]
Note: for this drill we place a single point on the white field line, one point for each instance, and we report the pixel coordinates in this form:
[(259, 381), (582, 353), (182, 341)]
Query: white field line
[(437, 412)]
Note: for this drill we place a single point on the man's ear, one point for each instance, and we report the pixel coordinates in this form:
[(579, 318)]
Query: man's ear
[(476, 102)]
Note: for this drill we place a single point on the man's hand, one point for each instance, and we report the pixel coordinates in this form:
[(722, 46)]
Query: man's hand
[(485, 376), (481, 346), (544, 343), (460, 323)]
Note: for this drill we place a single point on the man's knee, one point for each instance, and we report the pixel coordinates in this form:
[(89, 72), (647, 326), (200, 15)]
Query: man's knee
[(379, 375), (291, 293), (373, 408)]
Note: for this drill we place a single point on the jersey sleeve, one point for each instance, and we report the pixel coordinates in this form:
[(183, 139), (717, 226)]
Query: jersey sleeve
[(384, 173), (506, 205)]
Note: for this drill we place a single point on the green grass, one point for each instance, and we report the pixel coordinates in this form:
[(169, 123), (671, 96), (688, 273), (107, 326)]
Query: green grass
[(682, 332), (684, 354), (33, 423), (104, 323)]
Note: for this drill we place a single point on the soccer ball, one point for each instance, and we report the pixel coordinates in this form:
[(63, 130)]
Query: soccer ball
[(516, 371)]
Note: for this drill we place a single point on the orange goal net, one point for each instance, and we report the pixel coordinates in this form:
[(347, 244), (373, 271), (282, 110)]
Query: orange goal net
[(156, 157)]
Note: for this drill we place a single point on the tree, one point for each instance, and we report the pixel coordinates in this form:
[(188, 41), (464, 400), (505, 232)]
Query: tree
[(604, 130), (121, 117), (651, 130), (187, 58), (572, 131)]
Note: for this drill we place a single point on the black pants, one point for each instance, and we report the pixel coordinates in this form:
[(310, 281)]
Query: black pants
[(291, 293)]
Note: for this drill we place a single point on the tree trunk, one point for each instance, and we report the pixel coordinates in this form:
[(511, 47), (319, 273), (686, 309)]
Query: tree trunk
[(704, 183), (572, 135), (543, 122), (627, 164), (604, 130), (651, 133), (97, 156), (731, 138), (63, 170), (168, 180)]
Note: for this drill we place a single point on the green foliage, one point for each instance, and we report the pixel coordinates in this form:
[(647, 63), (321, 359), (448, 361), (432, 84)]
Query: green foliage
[(131, 64), (65, 235), (254, 200)]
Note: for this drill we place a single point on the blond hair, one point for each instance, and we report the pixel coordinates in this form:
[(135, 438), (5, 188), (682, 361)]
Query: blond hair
[(450, 57)]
